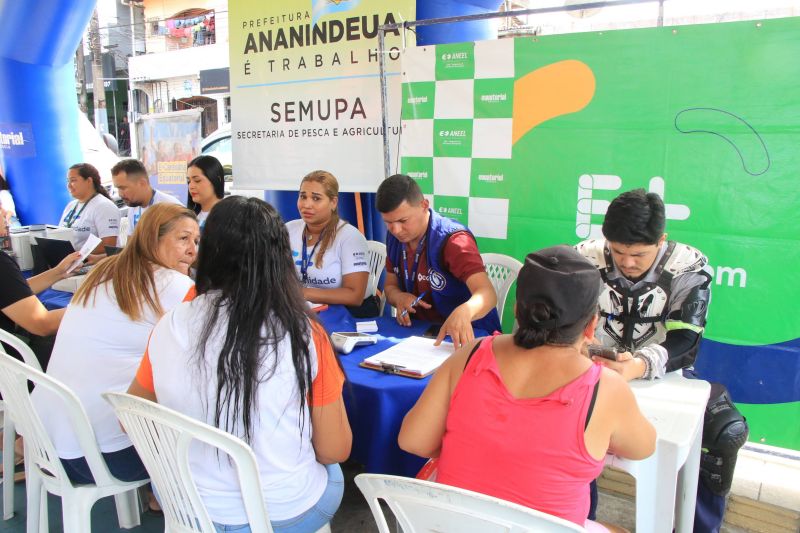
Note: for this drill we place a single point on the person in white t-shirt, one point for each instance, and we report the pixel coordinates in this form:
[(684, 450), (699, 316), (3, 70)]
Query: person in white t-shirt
[(132, 183), (206, 179), (92, 211), (104, 333), (245, 356), (330, 255)]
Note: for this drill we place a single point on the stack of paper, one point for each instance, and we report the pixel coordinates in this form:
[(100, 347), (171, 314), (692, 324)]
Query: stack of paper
[(368, 326), (414, 357)]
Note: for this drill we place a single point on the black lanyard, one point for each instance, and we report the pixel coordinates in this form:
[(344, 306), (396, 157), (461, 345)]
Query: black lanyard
[(69, 220), (409, 280), (307, 257)]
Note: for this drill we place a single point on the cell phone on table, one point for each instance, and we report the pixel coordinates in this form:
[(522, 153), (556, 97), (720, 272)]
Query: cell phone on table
[(606, 352), (433, 331)]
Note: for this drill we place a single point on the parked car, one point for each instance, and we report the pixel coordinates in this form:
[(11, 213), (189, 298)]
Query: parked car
[(219, 145)]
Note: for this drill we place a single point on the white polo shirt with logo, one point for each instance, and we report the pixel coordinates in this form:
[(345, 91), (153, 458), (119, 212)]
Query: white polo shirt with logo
[(99, 216), (346, 255)]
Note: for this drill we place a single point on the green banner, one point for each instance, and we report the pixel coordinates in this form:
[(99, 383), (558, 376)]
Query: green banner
[(529, 139)]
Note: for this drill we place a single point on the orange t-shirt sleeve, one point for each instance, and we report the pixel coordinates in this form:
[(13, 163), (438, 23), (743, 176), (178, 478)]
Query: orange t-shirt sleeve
[(144, 375), (191, 295), (327, 386)]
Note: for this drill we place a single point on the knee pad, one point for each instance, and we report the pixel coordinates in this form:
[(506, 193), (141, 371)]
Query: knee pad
[(724, 432)]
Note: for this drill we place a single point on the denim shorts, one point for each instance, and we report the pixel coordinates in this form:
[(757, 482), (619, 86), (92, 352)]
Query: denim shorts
[(317, 516), (124, 464)]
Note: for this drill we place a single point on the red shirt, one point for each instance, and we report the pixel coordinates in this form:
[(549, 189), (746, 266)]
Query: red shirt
[(460, 257)]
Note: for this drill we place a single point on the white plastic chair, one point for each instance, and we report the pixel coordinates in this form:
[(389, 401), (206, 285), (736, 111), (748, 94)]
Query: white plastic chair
[(163, 437), (502, 271), (422, 506), (43, 470), (8, 424), (376, 257)]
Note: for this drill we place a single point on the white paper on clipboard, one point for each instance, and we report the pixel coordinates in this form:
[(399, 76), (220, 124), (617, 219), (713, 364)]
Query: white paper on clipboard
[(414, 355)]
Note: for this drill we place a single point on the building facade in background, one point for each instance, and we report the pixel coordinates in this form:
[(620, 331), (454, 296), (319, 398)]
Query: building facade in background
[(185, 62)]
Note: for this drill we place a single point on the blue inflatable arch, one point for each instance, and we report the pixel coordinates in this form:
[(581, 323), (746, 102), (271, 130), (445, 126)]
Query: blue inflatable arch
[(38, 106)]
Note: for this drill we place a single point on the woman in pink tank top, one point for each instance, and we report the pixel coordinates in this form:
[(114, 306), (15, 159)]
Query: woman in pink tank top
[(528, 417)]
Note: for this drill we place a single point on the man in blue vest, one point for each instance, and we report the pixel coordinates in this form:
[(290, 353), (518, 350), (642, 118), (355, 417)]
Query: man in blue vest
[(433, 268)]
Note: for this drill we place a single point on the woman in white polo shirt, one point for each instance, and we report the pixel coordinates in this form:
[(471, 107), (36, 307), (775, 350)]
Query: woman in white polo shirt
[(246, 357), (104, 333), (92, 210), (330, 255), (206, 179)]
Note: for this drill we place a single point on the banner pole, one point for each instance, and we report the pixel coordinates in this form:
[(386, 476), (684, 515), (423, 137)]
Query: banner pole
[(384, 100), (359, 214)]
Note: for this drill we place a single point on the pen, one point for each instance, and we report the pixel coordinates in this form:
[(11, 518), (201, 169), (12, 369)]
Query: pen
[(415, 302)]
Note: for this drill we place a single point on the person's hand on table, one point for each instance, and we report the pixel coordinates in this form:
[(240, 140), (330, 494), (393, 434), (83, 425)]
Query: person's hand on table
[(585, 344), (404, 303), (626, 365), (61, 268), (3, 223), (459, 326), (92, 259)]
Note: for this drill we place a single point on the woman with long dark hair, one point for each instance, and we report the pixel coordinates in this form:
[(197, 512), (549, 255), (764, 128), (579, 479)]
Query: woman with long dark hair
[(547, 413), (92, 211), (246, 356), (330, 254), (206, 178)]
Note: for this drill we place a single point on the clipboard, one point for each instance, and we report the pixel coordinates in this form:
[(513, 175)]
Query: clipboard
[(413, 357), (397, 370)]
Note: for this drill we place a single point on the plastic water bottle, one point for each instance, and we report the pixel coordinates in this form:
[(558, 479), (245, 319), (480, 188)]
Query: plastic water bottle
[(124, 225)]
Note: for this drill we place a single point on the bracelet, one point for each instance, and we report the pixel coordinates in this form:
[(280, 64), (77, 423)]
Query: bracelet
[(647, 370)]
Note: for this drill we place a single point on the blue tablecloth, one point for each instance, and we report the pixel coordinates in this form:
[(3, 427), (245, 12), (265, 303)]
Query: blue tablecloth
[(53, 299), (376, 402)]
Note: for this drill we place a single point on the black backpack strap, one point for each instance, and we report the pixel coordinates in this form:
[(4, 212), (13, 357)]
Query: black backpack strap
[(474, 349), (591, 404)]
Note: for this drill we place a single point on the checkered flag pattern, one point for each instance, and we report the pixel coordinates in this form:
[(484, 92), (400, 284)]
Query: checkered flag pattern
[(456, 130)]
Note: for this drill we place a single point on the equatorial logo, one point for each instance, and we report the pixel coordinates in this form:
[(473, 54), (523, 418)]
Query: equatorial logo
[(17, 140), (437, 281)]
